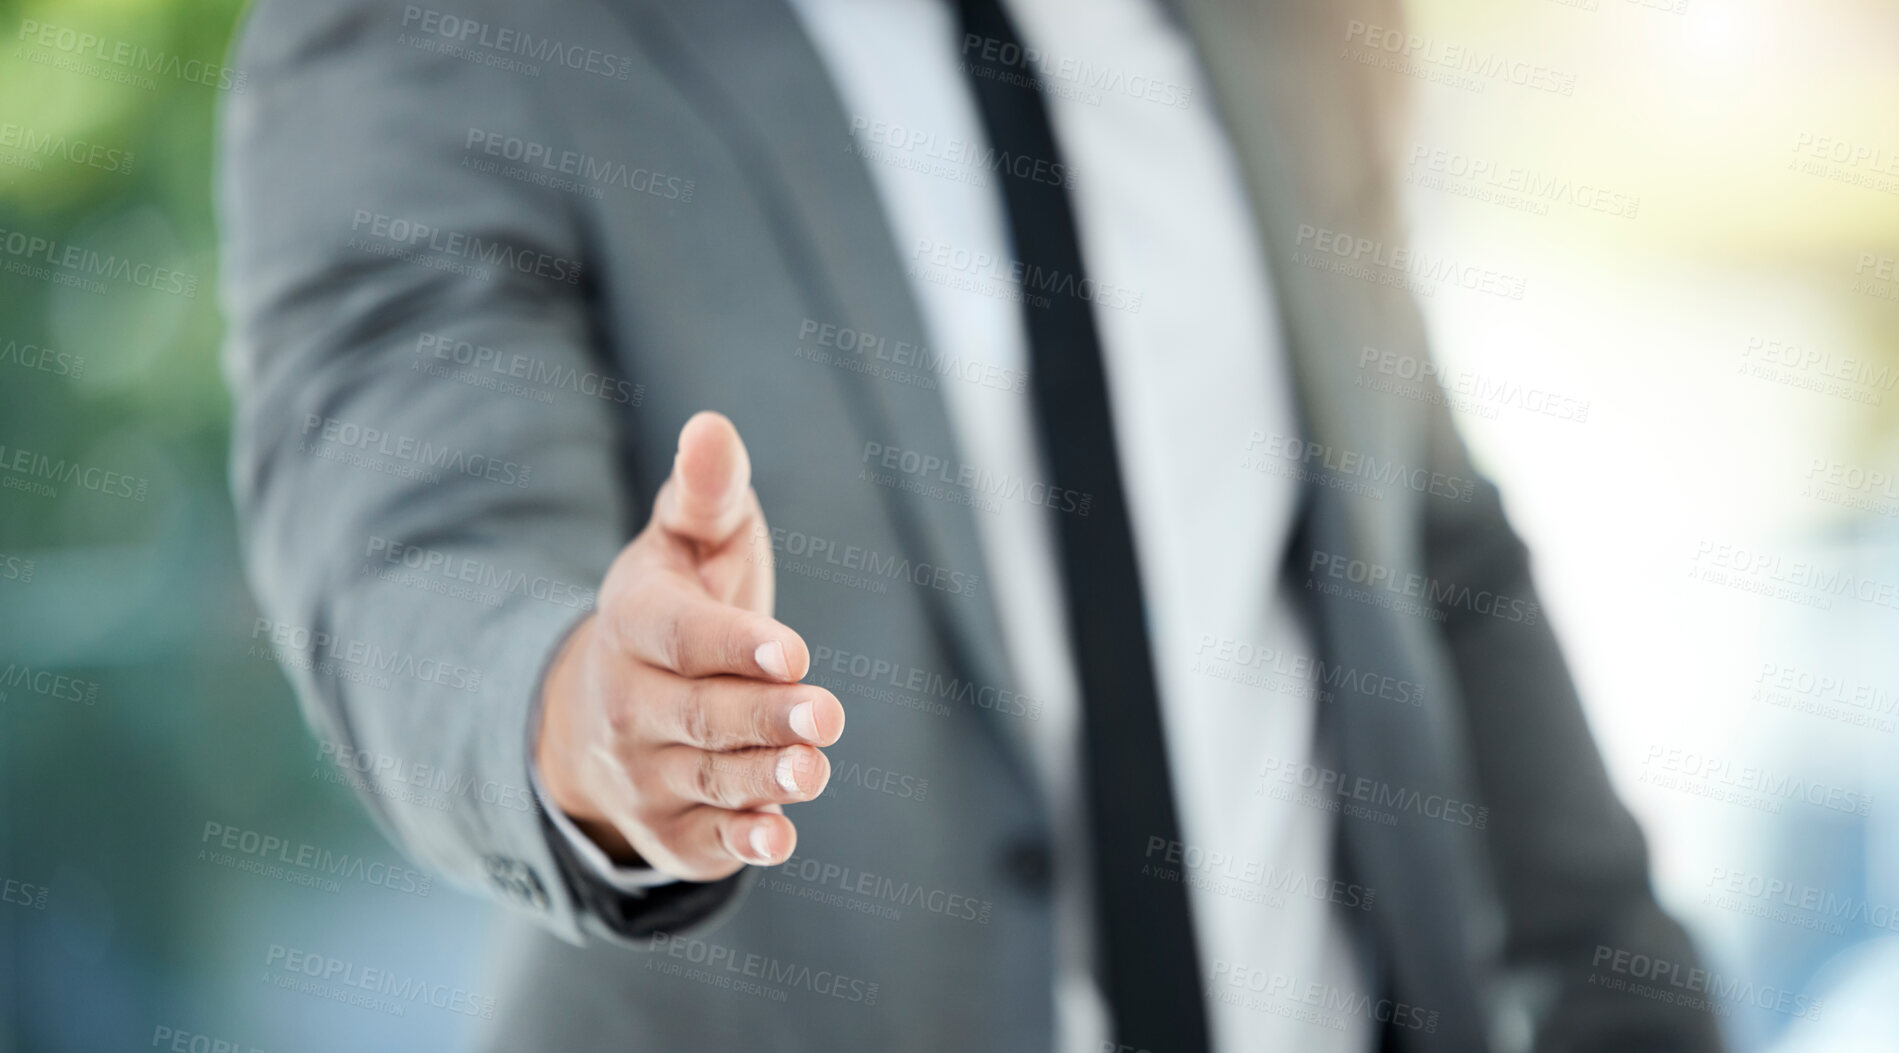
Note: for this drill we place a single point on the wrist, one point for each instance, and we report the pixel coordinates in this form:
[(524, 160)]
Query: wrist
[(557, 753)]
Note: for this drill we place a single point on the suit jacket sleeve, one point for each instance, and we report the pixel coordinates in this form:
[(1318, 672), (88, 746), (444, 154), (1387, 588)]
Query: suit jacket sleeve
[(428, 488), (1568, 859)]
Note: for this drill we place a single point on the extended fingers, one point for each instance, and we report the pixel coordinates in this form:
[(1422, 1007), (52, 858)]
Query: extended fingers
[(730, 713), (742, 780), (706, 843), (677, 627)]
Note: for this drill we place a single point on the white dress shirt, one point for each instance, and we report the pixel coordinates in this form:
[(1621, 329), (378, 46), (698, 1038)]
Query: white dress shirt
[(1195, 369)]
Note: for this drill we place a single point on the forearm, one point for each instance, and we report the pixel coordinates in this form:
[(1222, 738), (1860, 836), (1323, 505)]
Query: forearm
[(1568, 860), (419, 540)]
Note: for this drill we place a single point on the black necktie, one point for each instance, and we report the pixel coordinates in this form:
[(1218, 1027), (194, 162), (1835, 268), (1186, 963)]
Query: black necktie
[(1151, 976)]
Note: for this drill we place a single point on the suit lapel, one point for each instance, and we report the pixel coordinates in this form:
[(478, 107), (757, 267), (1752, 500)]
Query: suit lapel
[(1304, 125), (764, 88), (1299, 124)]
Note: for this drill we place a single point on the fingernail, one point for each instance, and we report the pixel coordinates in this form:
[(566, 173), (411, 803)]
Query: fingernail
[(770, 657), (788, 771), (761, 844), (804, 721)]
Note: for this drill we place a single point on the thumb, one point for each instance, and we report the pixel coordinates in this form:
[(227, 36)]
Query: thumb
[(709, 495)]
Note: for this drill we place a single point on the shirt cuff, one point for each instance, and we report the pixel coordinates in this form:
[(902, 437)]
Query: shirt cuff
[(630, 880)]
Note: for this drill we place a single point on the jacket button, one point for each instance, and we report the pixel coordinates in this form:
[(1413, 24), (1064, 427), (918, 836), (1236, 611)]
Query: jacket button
[(1026, 863), (517, 880)]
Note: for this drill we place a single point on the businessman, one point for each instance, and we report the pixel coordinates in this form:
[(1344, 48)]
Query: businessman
[(630, 389)]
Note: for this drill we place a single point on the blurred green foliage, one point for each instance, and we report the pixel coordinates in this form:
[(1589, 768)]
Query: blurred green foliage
[(103, 801)]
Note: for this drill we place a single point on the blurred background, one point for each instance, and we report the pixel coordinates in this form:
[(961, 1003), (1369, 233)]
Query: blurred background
[(1691, 408)]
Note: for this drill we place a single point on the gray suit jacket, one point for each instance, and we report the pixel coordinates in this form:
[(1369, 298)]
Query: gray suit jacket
[(482, 260)]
